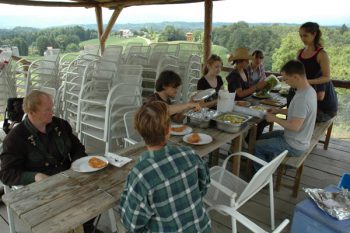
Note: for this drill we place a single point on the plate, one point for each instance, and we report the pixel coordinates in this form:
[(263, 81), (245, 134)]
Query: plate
[(242, 103), (82, 164), (271, 102), (260, 96), (258, 108), (205, 139), (201, 95), (187, 130)]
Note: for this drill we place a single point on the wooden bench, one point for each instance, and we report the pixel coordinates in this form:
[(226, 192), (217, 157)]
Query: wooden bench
[(298, 162)]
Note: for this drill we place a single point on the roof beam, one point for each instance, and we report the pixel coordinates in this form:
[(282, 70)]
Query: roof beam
[(48, 3), (127, 3)]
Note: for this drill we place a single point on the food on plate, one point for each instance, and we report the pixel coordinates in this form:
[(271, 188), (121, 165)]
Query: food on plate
[(262, 94), (242, 103), (179, 128), (271, 102), (233, 119), (97, 163), (194, 138), (258, 108)]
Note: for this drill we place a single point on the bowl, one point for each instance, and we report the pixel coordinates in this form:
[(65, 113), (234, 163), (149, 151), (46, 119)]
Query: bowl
[(231, 122)]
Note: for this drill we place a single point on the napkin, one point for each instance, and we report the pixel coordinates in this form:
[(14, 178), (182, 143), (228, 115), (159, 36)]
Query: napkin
[(117, 160)]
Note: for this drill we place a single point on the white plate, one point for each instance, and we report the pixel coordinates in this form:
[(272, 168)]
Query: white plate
[(205, 139), (203, 94), (82, 164), (187, 130)]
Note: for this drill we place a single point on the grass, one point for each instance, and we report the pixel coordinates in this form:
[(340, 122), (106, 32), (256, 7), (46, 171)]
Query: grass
[(114, 40)]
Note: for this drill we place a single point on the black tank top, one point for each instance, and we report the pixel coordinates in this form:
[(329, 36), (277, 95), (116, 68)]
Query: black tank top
[(312, 67)]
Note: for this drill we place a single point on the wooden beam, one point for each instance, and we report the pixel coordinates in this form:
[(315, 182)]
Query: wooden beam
[(127, 3), (99, 20), (341, 83), (208, 19), (109, 27), (48, 4)]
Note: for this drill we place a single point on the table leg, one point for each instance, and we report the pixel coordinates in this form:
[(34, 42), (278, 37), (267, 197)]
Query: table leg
[(251, 145), (236, 147)]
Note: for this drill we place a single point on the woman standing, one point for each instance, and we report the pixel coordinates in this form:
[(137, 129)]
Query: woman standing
[(238, 80), (256, 69), (211, 79), (316, 62)]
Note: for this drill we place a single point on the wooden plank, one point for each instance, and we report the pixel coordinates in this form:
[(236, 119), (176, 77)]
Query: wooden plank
[(48, 3), (77, 215), (332, 154)]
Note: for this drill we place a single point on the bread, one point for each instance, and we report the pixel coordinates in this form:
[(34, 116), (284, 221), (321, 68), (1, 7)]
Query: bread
[(178, 129), (194, 138), (97, 163)]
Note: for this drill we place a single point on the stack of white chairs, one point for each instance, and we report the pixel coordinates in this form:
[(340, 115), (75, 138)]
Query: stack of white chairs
[(192, 75), (101, 113), (7, 84), (185, 51), (44, 72), (127, 48), (76, 76), (113, 54), (137, 55)]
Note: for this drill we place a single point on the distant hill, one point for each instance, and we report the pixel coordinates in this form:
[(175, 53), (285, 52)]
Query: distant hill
[(157, 26)]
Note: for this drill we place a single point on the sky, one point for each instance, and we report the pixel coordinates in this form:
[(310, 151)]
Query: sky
[(335, 12)]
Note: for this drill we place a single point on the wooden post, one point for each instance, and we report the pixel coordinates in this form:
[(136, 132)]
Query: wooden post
[(98, 11), (109, 27), (208, 20)]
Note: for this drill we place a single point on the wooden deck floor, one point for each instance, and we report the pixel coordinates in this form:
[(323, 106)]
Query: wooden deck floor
[(322, 168)]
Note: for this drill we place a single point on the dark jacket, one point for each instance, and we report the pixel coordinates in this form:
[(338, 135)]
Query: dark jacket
[(25, 152)]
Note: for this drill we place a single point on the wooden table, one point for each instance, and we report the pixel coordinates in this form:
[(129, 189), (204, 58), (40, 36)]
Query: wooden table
[(66, 200)]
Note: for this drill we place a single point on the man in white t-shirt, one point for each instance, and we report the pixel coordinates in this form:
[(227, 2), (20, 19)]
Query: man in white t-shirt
[(300, 122)]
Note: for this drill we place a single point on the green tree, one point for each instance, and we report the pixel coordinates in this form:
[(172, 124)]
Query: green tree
[(72, 48), (287, 51), (21, 44), (41, 43)]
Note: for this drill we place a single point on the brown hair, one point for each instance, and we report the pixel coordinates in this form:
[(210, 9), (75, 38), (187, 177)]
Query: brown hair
[(152, 121), (33, 100), (312, 27), (167, 78), (258, 53), (213, 58)]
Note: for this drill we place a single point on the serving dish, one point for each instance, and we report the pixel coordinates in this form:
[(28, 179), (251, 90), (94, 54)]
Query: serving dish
[(231, 122), (201, 119)]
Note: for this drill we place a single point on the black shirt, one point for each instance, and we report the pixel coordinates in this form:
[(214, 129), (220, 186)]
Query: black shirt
[(235, 81)]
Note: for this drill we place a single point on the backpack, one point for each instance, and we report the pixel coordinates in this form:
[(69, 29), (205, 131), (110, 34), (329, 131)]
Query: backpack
[(14, 113)]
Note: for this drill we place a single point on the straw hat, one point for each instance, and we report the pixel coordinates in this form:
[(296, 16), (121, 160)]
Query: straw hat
[(240, 54)]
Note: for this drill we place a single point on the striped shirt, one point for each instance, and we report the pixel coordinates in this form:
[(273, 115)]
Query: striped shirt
[(164, 192)]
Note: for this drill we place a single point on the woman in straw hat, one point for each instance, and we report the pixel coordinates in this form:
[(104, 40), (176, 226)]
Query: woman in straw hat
[(238, 80)]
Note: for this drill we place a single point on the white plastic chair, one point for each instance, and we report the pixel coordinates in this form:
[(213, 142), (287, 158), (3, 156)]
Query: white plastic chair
[(227, 192), (132, 136)]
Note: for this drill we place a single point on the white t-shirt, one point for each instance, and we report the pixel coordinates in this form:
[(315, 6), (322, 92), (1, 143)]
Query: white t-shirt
[(303, 105)]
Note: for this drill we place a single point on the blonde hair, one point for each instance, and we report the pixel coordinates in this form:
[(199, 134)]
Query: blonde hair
[(152, 121), (33, 100)]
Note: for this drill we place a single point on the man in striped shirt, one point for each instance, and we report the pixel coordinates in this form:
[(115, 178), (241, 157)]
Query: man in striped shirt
[(164, 190)]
